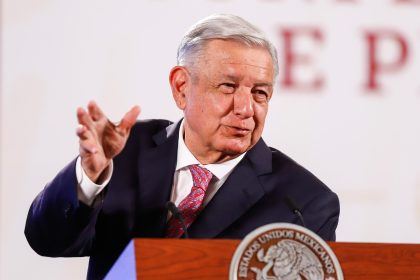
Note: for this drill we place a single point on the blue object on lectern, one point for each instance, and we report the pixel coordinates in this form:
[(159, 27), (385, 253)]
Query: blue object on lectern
[(125, 266)]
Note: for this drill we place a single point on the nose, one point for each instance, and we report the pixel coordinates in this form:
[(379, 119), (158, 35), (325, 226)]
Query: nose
[(243, 104)]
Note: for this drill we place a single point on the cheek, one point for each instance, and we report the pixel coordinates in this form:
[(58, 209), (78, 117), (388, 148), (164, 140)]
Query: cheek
[(260, 112), (194, 106), (259, 118), (204, 113), (216, 106)]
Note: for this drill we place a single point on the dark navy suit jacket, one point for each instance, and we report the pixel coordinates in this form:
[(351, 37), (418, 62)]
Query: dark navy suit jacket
[(133, 203)]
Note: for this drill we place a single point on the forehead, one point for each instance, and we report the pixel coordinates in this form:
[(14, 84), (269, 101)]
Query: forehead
[(232, 58)]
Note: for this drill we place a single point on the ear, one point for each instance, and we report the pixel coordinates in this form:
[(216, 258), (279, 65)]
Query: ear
[(179, 80)]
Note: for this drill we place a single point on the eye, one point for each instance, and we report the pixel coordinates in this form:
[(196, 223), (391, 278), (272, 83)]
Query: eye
[(260, 92), (260, 95), (227, 87)]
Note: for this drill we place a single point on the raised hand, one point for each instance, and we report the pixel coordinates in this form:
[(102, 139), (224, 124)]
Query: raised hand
[(101, 140)]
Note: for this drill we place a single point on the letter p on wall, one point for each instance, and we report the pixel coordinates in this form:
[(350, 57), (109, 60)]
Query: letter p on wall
[(387, 53)]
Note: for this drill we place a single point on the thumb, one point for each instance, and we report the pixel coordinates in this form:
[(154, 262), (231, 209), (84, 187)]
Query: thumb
[(129, 119)]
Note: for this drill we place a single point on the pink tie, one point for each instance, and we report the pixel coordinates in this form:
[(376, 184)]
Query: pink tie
[(190, 206)]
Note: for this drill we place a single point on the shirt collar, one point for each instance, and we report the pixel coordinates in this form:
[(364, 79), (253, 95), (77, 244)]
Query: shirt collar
[(186, 158)]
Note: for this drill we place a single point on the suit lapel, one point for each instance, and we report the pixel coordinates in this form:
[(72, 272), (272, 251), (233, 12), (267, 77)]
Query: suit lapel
[(237, 195), (157, 166)]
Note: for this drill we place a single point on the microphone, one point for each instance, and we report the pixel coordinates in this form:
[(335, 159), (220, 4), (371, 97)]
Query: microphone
[(178, 215), (295, 209)]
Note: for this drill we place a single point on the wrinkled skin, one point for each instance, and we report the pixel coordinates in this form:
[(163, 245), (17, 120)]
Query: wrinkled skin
[(224, 96)]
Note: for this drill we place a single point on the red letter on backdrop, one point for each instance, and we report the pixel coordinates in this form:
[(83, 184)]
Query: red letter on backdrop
[(407, 1), (292, 59), (375, 66)]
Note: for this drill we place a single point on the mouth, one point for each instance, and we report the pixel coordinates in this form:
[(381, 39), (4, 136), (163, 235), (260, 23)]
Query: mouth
[(238, 131)]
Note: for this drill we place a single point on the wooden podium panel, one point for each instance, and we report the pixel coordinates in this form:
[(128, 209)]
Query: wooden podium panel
[(172, 259), (184, 259), (378, 260)]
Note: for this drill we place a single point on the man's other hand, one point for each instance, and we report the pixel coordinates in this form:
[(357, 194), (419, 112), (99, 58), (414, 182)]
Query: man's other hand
[(100, 140)]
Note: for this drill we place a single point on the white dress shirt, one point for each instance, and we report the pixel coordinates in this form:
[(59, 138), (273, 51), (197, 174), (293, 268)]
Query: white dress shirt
[(182, 183), (88, 190)]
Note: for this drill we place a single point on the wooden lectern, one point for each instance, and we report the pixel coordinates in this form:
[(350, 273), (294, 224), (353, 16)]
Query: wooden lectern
[(210, 259)]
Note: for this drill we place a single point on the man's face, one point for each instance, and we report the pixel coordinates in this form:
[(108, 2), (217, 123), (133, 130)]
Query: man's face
[(225, 99)]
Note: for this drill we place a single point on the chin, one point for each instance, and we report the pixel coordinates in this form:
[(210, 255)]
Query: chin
[(234, 152), (236, 149)]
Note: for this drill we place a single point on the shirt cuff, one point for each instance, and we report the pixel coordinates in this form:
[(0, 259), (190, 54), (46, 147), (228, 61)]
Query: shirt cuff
[(86, 189)]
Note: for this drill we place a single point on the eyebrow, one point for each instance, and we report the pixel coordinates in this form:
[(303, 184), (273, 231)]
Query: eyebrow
[(264, 85), (235, 78)]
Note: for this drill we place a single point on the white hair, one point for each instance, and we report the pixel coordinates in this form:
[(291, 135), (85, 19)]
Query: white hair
[(225, 27)]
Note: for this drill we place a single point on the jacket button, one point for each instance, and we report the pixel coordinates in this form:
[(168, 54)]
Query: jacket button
[(67, 211)]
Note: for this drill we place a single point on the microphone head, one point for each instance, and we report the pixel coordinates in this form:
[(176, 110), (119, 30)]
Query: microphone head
[(170, 205), (295, 209), (291, 204), (173, 209), (178, 215)]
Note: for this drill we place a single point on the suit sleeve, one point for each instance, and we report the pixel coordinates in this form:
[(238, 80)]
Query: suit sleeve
[(324, 208), (58, 224)]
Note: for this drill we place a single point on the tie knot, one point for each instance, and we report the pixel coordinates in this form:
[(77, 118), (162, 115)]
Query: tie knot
[(201, 176)]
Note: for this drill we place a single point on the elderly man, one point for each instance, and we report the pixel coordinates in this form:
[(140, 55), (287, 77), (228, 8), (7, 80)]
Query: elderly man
[(213, 164)]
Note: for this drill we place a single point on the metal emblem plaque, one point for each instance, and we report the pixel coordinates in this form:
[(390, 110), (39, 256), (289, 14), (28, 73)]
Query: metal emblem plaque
[(283, 251)]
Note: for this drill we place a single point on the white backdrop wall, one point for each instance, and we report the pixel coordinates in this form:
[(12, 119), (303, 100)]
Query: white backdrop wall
[(358, 129)]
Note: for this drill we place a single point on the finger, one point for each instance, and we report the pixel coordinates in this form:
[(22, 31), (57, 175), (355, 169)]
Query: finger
[(94, 111), (129, 119), (87, 147), (81, 131), (86, 139), (84, 119), (85, 134)]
